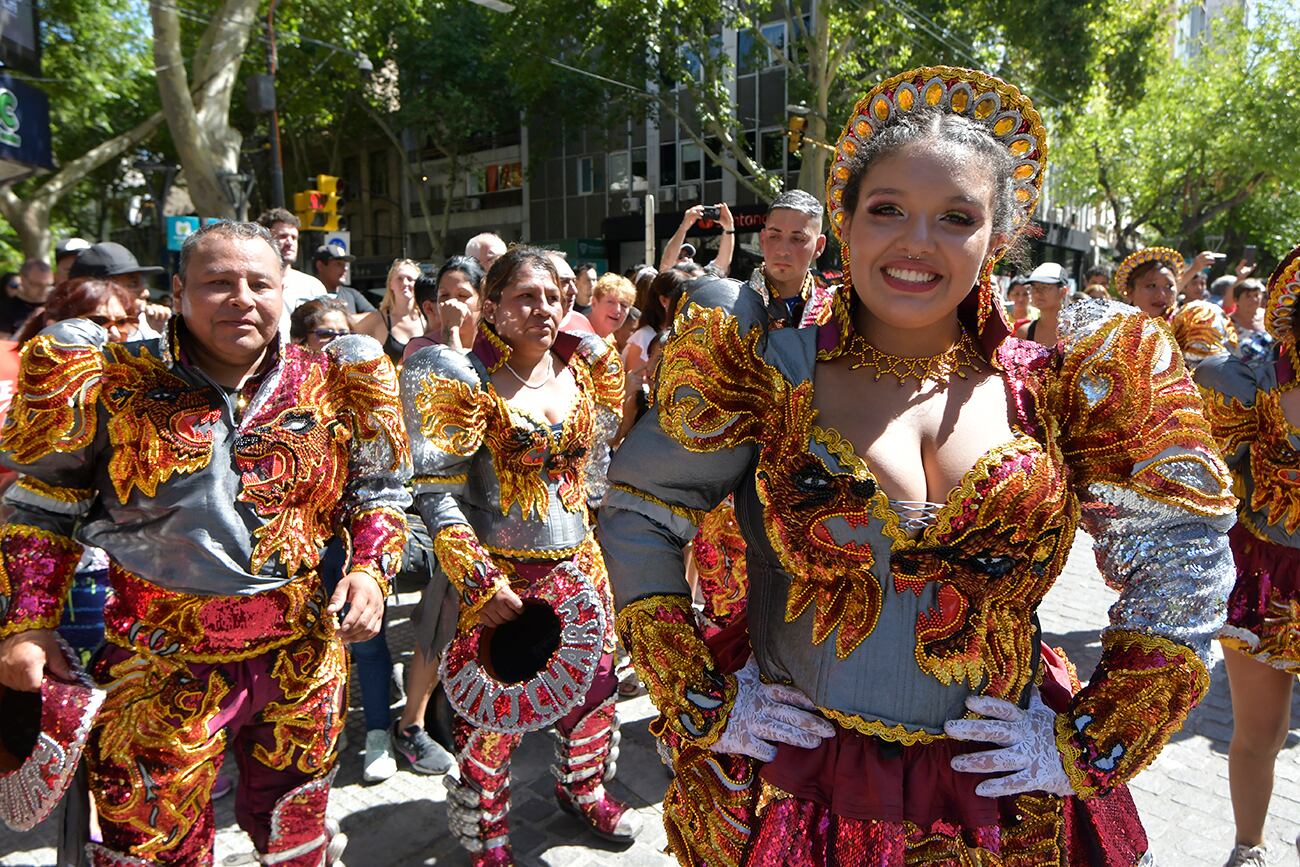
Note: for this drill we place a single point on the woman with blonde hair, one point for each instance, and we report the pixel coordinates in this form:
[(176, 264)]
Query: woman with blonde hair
[(611, 299), (403, 320)]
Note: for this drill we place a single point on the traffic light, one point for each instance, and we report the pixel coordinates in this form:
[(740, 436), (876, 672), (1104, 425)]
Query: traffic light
[(318, 209), (794, 132)]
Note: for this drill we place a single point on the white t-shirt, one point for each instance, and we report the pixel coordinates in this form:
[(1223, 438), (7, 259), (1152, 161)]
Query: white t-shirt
[(641, 340), (299, 288)]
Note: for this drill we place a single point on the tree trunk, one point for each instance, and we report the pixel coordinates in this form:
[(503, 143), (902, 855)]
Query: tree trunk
[(812, 171), (207, 145), (30, 217)]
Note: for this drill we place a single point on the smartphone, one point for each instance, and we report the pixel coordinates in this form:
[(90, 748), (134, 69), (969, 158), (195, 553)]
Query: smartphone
[(711, 212), (1248, 255)]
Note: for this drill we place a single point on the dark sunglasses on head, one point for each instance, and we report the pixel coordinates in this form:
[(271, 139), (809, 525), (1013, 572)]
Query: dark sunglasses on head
[(329, 333), (125, 324)]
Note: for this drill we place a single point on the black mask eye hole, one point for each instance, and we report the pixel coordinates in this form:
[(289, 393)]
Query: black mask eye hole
[(813, 480), (298, 422), (993, 565), (163, 393)]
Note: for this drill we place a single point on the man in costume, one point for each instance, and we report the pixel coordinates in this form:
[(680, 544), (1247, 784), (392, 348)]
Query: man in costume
[(212, 465)]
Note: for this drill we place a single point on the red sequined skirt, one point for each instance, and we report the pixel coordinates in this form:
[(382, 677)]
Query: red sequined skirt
[(1264, 606), (858, 800)]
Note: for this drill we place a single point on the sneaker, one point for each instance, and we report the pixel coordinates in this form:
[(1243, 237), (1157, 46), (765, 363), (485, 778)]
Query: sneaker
[(424, 753), (379, 764), (1248, 856), (399, 682)]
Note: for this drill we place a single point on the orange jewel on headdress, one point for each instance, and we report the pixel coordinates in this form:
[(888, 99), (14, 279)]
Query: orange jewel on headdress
[(1001, 108)]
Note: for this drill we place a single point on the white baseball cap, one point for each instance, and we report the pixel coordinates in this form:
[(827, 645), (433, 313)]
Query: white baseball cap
[(1048, 272)]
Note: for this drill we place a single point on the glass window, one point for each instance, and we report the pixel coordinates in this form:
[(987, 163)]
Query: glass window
[(773, 152), (379, 173), (667, 165), (475, 181), (751, 140), (713, 169), (775, 36), (640, 170), (586, 182), (746, 52), (620, 172), (692, 157)]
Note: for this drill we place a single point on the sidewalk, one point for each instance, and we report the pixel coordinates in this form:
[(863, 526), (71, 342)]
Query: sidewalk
[(1183, 797)]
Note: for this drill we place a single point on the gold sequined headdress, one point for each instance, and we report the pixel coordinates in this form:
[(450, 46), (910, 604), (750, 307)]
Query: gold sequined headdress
[(1283, 289), (1001, 108), (1165, 255)]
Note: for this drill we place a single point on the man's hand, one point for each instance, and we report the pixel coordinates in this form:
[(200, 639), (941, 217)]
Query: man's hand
[(692, 215), (1243, 271), (23, 658), (501, 608), (157, 315), (365, 601), (725, 219)]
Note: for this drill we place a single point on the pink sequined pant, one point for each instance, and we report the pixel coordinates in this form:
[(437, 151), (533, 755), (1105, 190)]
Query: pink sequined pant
[(159, 741)]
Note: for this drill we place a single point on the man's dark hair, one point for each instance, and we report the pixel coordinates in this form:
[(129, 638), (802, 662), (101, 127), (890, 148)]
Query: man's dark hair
[(426, 289), (232, 229), (798, 200), (271, 216), (1096, 271), (34, 265), (585, 266)]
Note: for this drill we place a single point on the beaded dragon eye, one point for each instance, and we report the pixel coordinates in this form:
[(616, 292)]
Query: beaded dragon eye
[(1000, 108), (1283, 288), (1166, 256)]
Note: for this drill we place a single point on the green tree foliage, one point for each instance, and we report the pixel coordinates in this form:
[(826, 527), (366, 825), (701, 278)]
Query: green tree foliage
[(1208, 148), (664, 58), (97, 72)]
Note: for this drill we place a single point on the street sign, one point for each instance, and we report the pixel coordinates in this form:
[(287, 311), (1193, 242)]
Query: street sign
[(341, 239), (178, 229), (24, 129)]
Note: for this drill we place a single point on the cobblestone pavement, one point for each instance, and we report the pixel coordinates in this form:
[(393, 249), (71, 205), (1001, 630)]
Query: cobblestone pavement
[(1183, 796)]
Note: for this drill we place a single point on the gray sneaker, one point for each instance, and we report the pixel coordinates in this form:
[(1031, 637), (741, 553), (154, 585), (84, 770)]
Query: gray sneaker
[(1248, 856), (424, 753)]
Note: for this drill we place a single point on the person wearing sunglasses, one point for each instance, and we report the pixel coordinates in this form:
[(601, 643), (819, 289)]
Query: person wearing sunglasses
[(315, 323), (107, 303)]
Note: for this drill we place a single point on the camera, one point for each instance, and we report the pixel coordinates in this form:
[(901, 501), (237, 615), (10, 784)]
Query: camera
[(710, 212)]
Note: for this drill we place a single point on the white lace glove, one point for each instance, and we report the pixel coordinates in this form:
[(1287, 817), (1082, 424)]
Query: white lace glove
[(766, 714), (1028, 741)]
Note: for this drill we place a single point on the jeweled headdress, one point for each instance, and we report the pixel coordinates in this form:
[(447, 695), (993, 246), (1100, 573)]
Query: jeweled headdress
[(1001, 108), (1283, 289), (1165, 255)]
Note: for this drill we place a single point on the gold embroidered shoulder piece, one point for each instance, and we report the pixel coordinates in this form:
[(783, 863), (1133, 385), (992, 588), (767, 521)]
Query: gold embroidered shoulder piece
[(371, 394), (453, 414), (54, 404), (713, 389), (1130, 416), (607, 376)]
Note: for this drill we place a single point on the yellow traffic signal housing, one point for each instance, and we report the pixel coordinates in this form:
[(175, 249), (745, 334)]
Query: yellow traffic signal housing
[(318, 209), (794, 131)]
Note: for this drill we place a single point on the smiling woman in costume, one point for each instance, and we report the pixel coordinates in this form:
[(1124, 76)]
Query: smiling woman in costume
[(503, 439), (1254, 411), (908, 479)]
